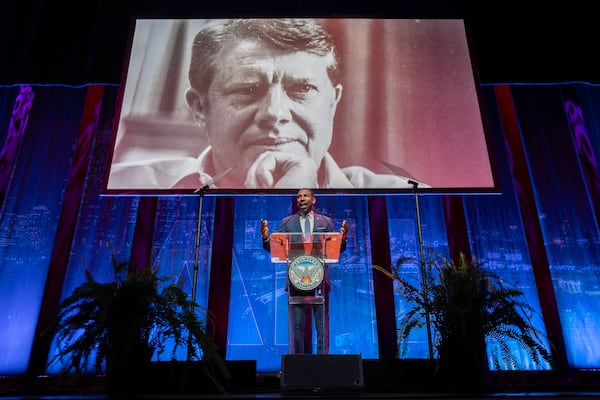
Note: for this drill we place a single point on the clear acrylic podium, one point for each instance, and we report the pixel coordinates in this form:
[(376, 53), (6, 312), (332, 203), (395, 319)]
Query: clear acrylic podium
[(306, 257)]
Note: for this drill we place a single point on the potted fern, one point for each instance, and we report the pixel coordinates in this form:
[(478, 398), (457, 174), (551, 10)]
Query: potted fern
[(467, 307), (120, 325)]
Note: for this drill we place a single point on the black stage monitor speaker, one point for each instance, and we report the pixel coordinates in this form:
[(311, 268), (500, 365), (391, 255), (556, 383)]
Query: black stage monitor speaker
[(322, 373)]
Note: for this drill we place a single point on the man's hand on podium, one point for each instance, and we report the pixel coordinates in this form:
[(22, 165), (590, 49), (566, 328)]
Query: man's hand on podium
[(345, 229), (264, 229)]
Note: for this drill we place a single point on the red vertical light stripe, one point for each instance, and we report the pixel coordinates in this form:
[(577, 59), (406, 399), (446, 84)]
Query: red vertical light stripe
[(66, 228), (456, 228), (383, 287), (533, 231), (220, 270)]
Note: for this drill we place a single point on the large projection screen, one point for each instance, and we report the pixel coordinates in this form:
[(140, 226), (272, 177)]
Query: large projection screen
[(401, 112)]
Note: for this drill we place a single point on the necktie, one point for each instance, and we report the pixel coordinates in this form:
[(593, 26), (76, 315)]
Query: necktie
[(306, 224)]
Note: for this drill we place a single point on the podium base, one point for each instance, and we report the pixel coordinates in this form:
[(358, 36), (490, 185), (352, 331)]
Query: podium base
[(322, 373)]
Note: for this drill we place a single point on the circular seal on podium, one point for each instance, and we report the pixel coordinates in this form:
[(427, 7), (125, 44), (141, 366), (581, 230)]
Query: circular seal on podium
[(306, 272)]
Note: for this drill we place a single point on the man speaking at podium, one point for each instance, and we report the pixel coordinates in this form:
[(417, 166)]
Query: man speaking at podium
[(307, 222)]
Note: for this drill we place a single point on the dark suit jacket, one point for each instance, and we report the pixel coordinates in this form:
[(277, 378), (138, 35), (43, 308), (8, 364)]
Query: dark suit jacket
[(291, 224)]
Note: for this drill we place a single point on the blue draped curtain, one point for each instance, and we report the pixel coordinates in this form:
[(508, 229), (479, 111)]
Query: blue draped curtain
[(541, 231)]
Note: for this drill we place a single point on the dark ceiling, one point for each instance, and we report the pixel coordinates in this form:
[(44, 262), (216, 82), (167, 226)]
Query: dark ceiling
[(512, 41)]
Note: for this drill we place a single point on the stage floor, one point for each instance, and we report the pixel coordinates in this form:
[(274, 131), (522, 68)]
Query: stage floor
[(269, 387), (307, 396)]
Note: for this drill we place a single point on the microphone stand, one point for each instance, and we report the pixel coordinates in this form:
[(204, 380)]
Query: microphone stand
[(201, 193), (422, 267)]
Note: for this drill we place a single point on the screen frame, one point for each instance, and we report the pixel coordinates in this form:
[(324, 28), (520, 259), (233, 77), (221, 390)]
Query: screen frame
[(493, 188)]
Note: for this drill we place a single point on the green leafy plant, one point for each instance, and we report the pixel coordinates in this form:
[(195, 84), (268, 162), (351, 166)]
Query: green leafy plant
[(121, 324), (467, 307)]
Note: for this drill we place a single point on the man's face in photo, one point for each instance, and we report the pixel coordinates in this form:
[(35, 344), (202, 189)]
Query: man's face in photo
[(264, 100)]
